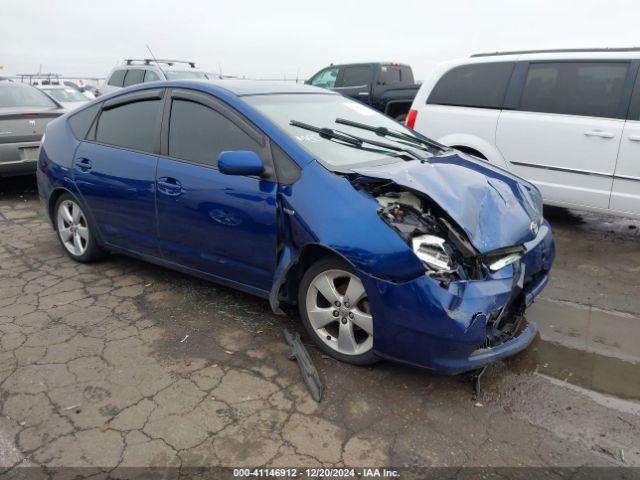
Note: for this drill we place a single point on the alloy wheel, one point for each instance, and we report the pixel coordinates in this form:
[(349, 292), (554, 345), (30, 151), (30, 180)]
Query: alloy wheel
[(339, 312), (73, 228)]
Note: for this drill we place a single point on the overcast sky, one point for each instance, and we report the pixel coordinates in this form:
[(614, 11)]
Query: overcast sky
[(273, 38)]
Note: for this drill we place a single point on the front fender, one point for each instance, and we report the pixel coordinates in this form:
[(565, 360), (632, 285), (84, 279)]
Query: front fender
[(324, 209)]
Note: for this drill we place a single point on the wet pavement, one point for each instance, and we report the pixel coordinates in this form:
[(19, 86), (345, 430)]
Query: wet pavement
[(122, 363)]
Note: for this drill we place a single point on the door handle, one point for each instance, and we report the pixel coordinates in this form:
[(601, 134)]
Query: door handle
[(84, 164), (363, 94), (169, 186), (634, 138), (599, 133)]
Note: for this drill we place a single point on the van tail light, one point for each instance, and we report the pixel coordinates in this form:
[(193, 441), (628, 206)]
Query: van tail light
[(411, 118)]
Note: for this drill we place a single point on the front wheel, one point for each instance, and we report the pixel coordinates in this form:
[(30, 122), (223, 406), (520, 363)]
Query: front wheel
[(335, 312), (74, 230)]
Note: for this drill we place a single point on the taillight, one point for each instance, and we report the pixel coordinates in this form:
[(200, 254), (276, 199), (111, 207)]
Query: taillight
[(411, 118)]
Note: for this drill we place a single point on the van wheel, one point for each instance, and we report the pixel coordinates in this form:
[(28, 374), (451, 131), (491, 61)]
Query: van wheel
[(401, 118), (74, 231), (335, 312)]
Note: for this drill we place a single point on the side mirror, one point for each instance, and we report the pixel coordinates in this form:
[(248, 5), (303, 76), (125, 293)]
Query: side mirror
[(240, 162)]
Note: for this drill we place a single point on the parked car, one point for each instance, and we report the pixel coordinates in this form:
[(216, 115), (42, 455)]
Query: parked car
[(135, 71), (87, 90), (68, 97), (24, 113), (389, 244), (388, 87), (567, 120)]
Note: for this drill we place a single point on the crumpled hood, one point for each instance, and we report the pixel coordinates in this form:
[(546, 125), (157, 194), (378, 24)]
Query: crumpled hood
[(495, 208)]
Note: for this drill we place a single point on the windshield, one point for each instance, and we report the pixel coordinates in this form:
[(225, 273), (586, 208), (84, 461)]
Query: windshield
[(23, 96), (65, 95), (184, 75), (322, 111)]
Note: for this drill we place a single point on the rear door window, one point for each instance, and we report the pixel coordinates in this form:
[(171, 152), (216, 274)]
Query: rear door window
[(481, 85), (133, 77), (117, 78), (356, 76), (199, 134), (591, 89), (131, 126)]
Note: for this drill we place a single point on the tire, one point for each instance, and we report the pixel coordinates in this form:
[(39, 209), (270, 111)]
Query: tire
[(401, 118), (341, 330), (74, 231)]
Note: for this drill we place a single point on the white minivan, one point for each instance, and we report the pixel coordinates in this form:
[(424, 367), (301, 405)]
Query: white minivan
[(567, 120)]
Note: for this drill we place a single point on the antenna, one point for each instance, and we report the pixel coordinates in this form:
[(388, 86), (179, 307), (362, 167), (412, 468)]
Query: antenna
[(157, 63)]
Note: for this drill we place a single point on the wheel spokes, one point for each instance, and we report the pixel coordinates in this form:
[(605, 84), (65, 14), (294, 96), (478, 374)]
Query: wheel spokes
[(355, 290), (65, 234), (75, 213), (325, 286), (77, 244), (66, 213), (363, 320), (83, 232), (321, 317), (346, 339)]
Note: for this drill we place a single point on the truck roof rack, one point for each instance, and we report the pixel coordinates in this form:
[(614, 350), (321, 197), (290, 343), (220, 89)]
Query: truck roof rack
[(148, 61), (46, 77), (559, 50)]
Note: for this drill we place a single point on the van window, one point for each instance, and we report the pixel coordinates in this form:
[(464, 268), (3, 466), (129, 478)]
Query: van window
[(133, 77), (356, 76), (634, 109), (199, 134), (480, 85), (132, 125), (591, 89), (117, 78)]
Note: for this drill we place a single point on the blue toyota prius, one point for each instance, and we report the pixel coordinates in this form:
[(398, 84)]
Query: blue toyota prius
[(388, 243)]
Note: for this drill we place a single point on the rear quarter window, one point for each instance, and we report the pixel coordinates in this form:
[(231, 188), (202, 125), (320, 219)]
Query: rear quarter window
[(81, 122), (481, 85), (117, 78)]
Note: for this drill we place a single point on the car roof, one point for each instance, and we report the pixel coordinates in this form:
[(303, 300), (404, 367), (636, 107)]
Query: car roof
[(258, 87)]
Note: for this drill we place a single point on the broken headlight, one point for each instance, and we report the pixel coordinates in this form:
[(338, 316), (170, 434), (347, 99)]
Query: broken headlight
[(434, 253), (504, 261)]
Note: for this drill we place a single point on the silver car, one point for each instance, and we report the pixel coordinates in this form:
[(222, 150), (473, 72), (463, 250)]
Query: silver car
[(24, 114)]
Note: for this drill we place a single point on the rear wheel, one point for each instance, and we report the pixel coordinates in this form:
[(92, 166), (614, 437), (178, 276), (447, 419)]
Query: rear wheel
[(74, 231), (335, 312)]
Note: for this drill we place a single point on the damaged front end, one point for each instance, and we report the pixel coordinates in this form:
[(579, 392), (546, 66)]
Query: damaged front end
[(471, 304)]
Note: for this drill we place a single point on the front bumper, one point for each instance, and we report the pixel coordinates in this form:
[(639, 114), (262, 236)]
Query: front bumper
[(447, 330)]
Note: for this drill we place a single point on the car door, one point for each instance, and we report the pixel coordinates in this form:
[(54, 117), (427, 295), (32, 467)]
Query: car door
[(115, 170), (565, 131), (625, 194), (355, 81), (222, 226)]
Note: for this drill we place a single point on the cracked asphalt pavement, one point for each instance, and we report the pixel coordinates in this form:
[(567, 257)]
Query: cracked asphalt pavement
[(121, 363)]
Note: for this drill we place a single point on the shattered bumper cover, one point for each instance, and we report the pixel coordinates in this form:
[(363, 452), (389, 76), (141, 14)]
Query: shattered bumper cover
[(446, 330)]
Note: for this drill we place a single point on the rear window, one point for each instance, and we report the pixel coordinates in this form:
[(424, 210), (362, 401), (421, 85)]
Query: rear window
[(23, 96), (117, 78), (390, 75), (133, 77), (356, 76), (131, 126), (591, 89), (481, 85)]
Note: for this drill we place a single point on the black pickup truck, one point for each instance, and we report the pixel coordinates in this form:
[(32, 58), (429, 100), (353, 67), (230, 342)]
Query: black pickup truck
[(388, 87)]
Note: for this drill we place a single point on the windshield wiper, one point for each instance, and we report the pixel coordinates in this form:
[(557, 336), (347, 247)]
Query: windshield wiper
[(385, 132), (353, 140)]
